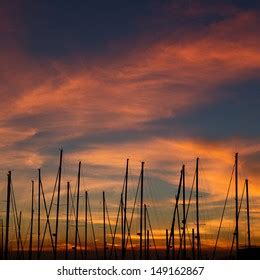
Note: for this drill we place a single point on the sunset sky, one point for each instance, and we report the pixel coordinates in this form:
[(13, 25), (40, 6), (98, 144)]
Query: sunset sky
[(157, 81)]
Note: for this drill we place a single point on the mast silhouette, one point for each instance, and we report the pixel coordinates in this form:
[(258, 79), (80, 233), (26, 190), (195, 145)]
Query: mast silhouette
[(77, 213), (58, 207), (39, 214), (167, 244), (67, 221), (148, 244), (7, 214), (248, 216), (236, 202), (145, 232), (104, 227), (2, 240), (197, 210), (121, 208), (125, 211), (31, 228), (19, 240), (171, 239), (184, 212), (141, 212), (193, 244), (48, 212), (86, 224)]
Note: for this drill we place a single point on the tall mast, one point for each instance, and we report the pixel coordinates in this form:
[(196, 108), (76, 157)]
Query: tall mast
[(122, 223), (141, 212), (2, 240), (67, 220), (19, 234), (167, 244), (125, 208), (171, 239), (197, 209), (77, 213), (148, 244), (31, 229), (39, 214), (7, 214), (104, 227), (145, 232), (58, 207), (86, 224), (193, 244), (236, 201), (248, 215), (184, 212)]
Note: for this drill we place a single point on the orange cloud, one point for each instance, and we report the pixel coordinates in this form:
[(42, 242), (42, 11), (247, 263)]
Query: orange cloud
[(167, 78)]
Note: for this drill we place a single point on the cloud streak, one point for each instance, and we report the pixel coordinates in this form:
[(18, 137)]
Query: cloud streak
[(84, 104)]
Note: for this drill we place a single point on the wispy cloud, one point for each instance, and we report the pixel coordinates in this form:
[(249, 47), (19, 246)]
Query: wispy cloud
[(46, 104)]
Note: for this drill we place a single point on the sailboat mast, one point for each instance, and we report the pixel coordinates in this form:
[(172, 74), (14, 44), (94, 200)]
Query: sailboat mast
[(67, 220), (77, 213), (58, 207), (7, 214), (145, 231), (193, 244), (148, 245), (31, 228), (184, 212), (122, 224), (248, 215), (2, 240), (19, 234), (236, 201), (171, 239), (167, 244), (39, 214), (86, 224), (104, 227), (197, 209), (125, 209), (141, 212)]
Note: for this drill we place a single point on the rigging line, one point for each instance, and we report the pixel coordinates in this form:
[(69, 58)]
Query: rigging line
[(179, 227), (204, 215), (175, 209), (110, 227), (74, 212), (131, 242), (150, 187), (19, 235), (131, 220), (155, 248), (223, 212), (48, 220), (49, 212), (92, 227), (26, 235), (117, 219), (187, 233), (188, 207), (16, 213), (114, 236), (231, 249)]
